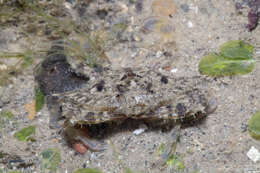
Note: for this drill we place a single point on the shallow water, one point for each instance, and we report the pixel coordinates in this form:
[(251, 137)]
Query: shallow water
[(175, 46)]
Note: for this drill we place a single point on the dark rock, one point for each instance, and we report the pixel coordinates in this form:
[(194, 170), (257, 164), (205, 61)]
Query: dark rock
[(185, 7), (102, 14), (253, 14)]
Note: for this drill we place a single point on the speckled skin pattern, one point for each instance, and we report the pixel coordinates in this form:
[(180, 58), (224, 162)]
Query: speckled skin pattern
[(101, 94), (112, 95), (85, 95)]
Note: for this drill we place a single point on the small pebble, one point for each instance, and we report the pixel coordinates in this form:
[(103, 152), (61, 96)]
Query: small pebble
[(140, 130), (257, 52), (67, 5), (244, 127), (159, 54), (93, 156), (190, 25), (185, 7), (136, 38), (123, 8), (3, 67), (174, 70), (253, 154), (139, 6)]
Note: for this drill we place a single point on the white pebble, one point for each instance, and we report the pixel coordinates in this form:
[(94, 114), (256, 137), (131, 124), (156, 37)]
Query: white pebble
[(257, 52), (190, 24), (140, 130), (123, 8), (133, 55), (159, 54), (67, 5), (174, 70), (253, 154), (140, 97), (93, 156), (3, 67), (195, 8)]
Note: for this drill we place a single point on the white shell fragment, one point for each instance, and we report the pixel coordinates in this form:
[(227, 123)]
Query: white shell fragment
[(174, 70), (190, 24), (140, 130), (253, 154)]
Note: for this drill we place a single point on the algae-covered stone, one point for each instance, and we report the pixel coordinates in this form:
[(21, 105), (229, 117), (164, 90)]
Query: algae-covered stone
[(51, 159), (5, 115), (254, 126), (235, 57), (39, 99), (25, 133)]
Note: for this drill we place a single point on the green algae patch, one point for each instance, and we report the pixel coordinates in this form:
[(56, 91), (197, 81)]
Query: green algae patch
[(2, 155), (237, 49), (28, 61), (176, 161), (6, 114), (235, 57), (161, 149), (254, 126), (50, 159), (39, 99), (128, 170), (88, 170), (25, 133)]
